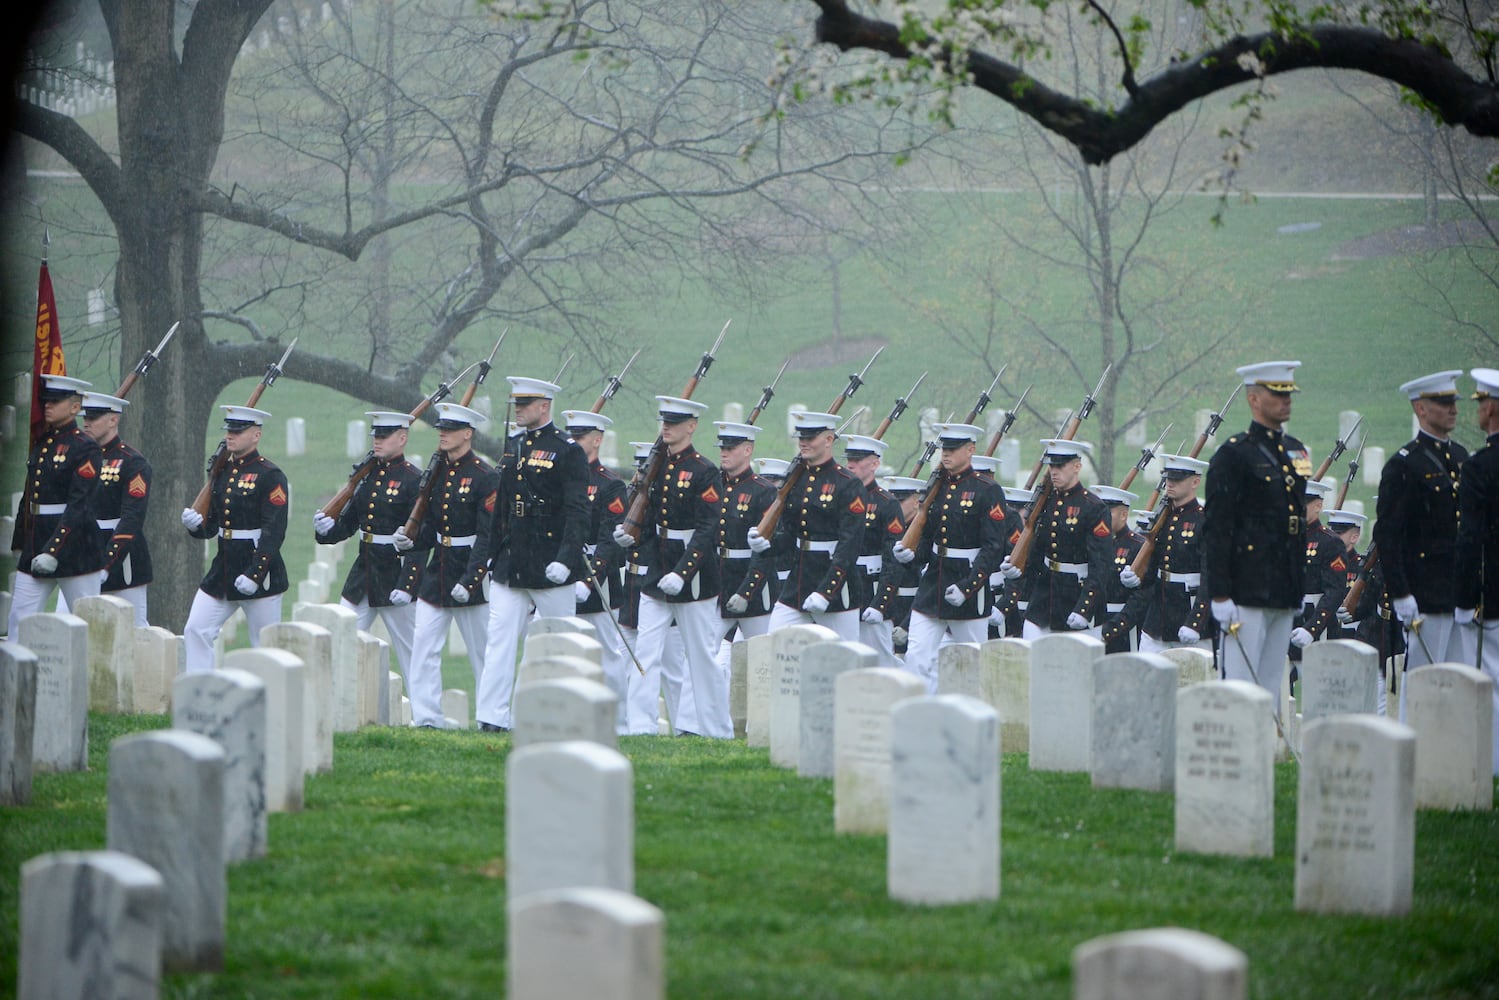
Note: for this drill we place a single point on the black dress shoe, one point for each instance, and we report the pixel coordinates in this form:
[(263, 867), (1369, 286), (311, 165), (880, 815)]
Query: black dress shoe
[(490, 727)]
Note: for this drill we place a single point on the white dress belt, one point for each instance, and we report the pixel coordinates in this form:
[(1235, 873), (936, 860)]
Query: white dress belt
[(370, 538), (456, 541), (1311, 598), (49, 509), (679, 534), (808, 545), (1079, 570), (240, 534), (108, 523), (943, 552), (735, 553), (783, 574), (637, 570), (905, 591), (1114, 609), (872, 564), (1185, 579)]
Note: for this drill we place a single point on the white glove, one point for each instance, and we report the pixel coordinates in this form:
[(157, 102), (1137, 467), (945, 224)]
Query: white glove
[(1300, 638), (1225, 612), (103, 575), (622, 538), (399, 598), (1463, 616), (1406, 609), (191, 519), (997, 619), (1187, 634), (901, 553), (1345, 617), (322, 523), (1128, 578), (898, 636), (815, 603), (1076, 622), (558, 573), (671, 584), (580, 591), (736, 604), (44, 565), (401, 542), (1008, 570), (459, 593), (756, 542), (954, 595), (871, 615), (245, 585)]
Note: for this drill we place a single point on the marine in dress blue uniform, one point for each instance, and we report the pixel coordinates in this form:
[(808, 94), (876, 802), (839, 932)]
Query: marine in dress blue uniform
[(442, 574), (120, 503), (379, 507), (55, 537), (1174, 606), (1326, 576), (897, 587), (1123, 608), (1415, 527), (247, 517), (884, 524), (1254, 531), (1477, 569)]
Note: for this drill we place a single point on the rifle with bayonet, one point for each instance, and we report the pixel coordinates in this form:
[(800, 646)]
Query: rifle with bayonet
[(144, 364), (917, 525), (558, 379), (767, 525), (611, 386), (973, 414), (1158, 502), (901, 403), (1147, 454), (1022, 548), (1348, 479), (429, 472), (221, 453), (767, 394), (1009, 421), (1337, 450), (639, 494)]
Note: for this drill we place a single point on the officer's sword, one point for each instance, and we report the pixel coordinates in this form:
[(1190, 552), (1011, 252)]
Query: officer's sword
[(1414, 628), (1280, 731), (609, 613)]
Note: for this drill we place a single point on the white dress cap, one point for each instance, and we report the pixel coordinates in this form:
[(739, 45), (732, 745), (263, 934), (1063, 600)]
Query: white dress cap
[(809, 424), (674, 410), (861, 442), (1430, 386), (456, 417), (1318, 489), (1183, 466), (772, 467), (1342, 520), (104, 402), (985, 463), (1277, 376), (1019, 495), (389, 420), (1060, 451), (1488, 382), (531, 388), (957, 433), (63, 385), (586, 418), (729, 430), (244, 416), (903, 484), (1114, 495)]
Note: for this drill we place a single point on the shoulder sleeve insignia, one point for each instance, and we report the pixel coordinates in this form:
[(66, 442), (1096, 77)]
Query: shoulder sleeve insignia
[(997, 512), (895, 527), (616, 506), (489, 502), (1014, 537), (137, 487), (857, 506), (87, 470), (710, 495), (1102, 530), (278, 496), (1339, 565)]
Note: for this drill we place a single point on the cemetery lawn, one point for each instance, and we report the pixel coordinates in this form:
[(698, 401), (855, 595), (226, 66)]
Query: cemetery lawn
[(391, 883)]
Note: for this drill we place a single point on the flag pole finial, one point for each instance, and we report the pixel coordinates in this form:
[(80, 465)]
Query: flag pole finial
[(46, 242)]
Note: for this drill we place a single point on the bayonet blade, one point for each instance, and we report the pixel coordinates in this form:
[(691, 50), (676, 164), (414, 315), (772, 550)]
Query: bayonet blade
[(289, 348), (777, 380), (496, 349), (721, 334), (558, 379), (858, 412), (163, 345)]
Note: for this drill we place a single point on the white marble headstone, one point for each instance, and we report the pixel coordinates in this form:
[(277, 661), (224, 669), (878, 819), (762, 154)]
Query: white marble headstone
[(786, 647), (91, 926), (18, 669), (943, 845), (738, 686), (111, 651), (822, 664), (566, 708), (565, 623), (1005, 666), (285, 682), (166, 807), (1163, 963), (1356, 816), (1451, 708), (373, 656), (395, 695), (1062, 701), (1338, 677), (1134, 722), (60, 642), (548, 668), (313, 645), (343, 627), (758, 682), (455, 707), (958, 670), (1225, 769), (160, 657), (569, 818), (585, 943), (229, 707), (1193, 664), (862, 702), (544, 645)]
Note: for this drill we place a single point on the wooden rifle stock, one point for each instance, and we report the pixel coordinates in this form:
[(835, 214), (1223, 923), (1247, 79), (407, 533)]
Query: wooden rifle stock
[(1021, 551), (423, 495), (1141, 562), (345, 493), (1360, 582)]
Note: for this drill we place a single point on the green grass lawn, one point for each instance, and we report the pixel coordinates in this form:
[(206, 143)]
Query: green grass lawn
[(391, 883)]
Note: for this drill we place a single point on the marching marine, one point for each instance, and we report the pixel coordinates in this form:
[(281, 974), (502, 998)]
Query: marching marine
[(746, 598), (1171, 588), (1122, 610), (884, 524), (120, 503), (1478, 540)]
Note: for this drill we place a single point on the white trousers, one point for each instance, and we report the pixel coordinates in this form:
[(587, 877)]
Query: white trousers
[(617, 663), (1439, 641), (400, 623), (880, 637), (1490, 666), (925, 637), (33, 592), (136, 596), (208, 615), (509, 611), (1151, 645), (845, 623), (706, 708), (1264, 637), (428, 636)]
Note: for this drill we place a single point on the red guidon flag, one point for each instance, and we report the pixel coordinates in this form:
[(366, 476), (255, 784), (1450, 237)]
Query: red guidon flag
[(46, 356)]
